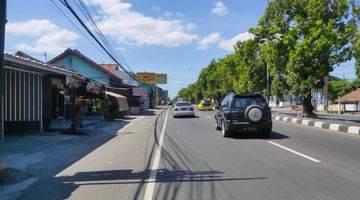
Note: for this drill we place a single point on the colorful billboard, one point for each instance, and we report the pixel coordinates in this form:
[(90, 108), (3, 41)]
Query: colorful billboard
[(139, 91), (151, 78)]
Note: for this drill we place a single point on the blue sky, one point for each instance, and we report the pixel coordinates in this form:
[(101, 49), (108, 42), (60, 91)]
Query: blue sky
[(177, 37)]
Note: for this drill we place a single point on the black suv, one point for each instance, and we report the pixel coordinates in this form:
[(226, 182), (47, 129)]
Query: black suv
[(244, 112)]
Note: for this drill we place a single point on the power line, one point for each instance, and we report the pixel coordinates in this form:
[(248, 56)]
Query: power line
[(112, 42), (103, 46), (81, 32)]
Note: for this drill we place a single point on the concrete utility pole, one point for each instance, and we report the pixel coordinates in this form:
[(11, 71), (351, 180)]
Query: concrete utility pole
[(2, 46), (267, 75), (326, 93)]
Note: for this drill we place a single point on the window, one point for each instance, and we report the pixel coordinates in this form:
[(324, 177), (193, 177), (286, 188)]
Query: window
[(183, 104), (242, 102), (225, 101)]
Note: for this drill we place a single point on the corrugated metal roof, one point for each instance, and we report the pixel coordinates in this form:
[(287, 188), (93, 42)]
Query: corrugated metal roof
[(44, 66)]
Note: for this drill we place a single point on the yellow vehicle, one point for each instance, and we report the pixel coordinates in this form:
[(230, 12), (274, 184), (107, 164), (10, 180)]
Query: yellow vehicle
[(205, 105)]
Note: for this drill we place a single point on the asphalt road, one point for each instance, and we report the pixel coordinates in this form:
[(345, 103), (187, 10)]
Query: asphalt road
[(160, 157)]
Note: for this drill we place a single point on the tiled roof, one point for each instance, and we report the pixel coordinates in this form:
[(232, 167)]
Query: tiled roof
[(109, 67), (353, 96)]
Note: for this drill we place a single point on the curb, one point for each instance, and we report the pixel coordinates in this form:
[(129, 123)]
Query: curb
[(355, 130)]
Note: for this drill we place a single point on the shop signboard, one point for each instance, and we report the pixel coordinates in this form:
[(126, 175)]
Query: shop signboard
[(151, 78), (140, 91)]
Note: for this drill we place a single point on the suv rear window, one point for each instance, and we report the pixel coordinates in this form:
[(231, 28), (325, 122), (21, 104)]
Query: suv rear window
[(242, 102), (183, 104)]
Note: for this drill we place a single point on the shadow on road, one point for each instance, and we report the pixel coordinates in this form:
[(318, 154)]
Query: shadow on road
[(186, 117), (251, 135), (66, 185), (128, 176)]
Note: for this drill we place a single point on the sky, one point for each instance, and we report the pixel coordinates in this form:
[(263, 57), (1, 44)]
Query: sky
[(177, 37)]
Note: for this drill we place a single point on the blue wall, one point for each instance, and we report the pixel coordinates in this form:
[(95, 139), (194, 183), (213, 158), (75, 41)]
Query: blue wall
[(76, 64)]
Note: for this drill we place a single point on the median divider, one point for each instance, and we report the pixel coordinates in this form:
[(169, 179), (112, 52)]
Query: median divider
[(318, 124)]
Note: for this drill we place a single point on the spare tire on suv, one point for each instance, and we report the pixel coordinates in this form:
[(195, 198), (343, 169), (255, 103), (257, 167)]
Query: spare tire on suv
[(254, 114)]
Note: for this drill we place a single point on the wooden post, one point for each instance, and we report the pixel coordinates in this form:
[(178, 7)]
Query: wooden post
[(73, 110)]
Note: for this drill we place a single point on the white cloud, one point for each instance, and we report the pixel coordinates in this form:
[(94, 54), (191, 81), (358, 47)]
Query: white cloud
[(48, 37), (229, 44), (206, 41), (156, 8), (129, 26), (220, 9), (190, 26), (167, 13)]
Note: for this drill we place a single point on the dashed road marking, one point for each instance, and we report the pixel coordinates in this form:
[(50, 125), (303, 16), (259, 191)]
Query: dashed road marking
[(208, 116), (149, 191), (295, 152)]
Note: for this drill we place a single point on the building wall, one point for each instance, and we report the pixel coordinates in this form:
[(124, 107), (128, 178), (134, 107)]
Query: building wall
[(23, 96), (83, 68)]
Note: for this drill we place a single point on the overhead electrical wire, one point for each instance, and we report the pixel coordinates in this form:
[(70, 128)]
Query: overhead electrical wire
[(98, 24), (100, 32), (97, 34), (81, 32)]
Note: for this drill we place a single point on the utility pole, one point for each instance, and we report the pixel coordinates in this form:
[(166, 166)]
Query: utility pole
[(326, 93), (2, 46), (267, 75)]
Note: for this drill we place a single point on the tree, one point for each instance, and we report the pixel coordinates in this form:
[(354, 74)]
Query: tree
[(322, 33), (338, 89), (271, 27), (356, 42), (250, 69)]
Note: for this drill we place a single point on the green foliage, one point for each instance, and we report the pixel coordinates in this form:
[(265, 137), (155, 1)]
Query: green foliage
[(299, 40), (100, 104), (338, 89)]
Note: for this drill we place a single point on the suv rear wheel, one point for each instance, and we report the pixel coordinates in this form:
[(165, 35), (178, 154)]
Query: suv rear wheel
[(225, 132), (266, 132)]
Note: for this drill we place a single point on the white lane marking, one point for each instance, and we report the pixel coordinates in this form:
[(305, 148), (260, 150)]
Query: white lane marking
[(208, 116), (277, 118), (285, 119), (295, 152), (155, 166)]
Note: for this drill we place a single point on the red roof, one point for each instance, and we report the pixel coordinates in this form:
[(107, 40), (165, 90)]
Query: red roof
[(110, 67), (353, 96)]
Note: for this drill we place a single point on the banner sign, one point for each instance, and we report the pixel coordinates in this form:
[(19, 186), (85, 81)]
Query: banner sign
[(152, 78), (139, 91)]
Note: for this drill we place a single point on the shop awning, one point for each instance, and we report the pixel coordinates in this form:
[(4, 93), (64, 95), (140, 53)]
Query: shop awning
[(121, 100)]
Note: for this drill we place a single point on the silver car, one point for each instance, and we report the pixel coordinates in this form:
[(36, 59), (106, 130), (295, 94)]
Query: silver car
[(183, 108)]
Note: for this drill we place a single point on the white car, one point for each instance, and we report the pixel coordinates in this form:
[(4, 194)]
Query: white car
[(183, 108)]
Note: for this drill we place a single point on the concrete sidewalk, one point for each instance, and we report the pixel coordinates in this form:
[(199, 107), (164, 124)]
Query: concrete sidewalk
[(34, 156)]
